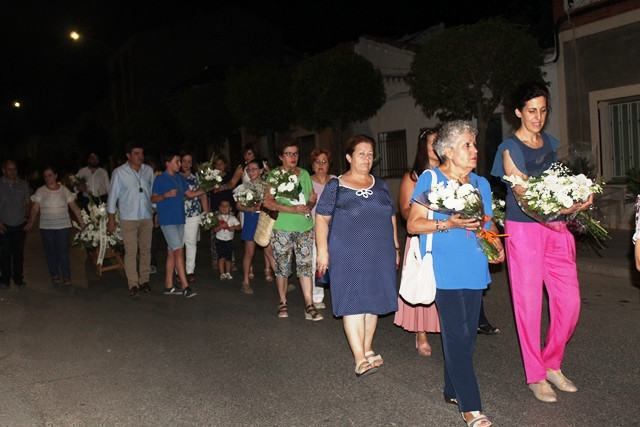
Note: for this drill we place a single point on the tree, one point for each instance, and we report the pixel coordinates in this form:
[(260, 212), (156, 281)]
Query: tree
[(259, 98), (467, 71), (334, 89), (204, 118), (155, 127)]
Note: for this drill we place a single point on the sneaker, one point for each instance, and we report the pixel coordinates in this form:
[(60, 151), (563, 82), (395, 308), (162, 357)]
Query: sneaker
[(153, 270), (223, 277), (173, 291), (188, 292), (229, 276)]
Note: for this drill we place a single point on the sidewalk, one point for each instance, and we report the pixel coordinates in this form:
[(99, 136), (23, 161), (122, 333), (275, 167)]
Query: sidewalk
[(615, 261)]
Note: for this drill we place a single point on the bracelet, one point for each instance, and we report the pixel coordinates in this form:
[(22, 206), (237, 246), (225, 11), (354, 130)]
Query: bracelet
[(441, 230)]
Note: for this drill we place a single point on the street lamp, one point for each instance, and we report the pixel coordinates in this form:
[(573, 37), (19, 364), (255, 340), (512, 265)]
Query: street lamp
[(74, 35), (17, 104)]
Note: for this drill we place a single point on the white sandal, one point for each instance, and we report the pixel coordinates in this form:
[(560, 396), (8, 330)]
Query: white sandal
[(477, 420)]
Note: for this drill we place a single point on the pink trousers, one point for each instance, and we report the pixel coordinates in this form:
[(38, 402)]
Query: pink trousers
[(540, 256)]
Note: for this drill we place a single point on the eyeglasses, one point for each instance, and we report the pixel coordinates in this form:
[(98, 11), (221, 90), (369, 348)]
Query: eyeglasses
[(291, 153), (252, 169), (320, 162)]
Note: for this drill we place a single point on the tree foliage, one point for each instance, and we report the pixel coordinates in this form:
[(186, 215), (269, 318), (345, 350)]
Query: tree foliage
[(155, 127), (467, 71), (259, 98), (335, 88), (203, 116)]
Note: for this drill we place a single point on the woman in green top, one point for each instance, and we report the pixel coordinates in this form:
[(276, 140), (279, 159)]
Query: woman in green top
[(293, 231)]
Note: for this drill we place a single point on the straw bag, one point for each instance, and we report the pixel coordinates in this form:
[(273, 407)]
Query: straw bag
[(266, 220)]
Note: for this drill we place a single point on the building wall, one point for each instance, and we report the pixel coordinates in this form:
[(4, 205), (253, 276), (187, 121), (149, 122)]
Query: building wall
[(399, 111), (597, 63)]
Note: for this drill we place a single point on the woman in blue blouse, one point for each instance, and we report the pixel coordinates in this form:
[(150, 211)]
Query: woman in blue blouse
[(459, 291)]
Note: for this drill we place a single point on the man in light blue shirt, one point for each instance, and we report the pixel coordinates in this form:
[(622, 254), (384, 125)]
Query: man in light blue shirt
[(130, 193)]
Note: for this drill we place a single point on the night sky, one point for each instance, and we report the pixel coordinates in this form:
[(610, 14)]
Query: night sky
[(55, 78)]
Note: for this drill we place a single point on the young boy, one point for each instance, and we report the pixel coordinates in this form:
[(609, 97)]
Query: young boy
[(168, 194), (224, 238)]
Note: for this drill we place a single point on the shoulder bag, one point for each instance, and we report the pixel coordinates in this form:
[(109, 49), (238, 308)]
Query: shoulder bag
[(418, 281)]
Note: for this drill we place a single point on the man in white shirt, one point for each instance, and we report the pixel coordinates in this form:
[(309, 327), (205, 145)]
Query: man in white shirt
[(96, 184), (130, 194)]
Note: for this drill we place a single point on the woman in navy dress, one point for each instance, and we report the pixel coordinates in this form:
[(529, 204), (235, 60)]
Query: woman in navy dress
[(357, 241)]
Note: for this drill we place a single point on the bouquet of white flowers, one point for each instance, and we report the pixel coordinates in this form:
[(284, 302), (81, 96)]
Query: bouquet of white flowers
[(555, 189), (210, 177), (209, 221), (74, 181), (464, 199), (498, 208), (95, 220), (248, 195), (284, 184)]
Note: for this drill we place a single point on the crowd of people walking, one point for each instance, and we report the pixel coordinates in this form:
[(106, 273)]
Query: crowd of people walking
[(343, 227)]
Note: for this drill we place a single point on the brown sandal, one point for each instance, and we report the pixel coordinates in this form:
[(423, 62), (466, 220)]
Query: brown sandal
[(283, 310), (310, 313)]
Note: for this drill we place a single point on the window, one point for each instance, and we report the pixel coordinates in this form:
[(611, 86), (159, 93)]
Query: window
[(624, 129), (392, 149), (306, 144)]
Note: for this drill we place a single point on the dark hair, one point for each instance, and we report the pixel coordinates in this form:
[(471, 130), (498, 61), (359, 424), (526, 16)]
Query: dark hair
[(318, 152), (6, 162), (50, 168), (257, 162), (526, 91), (287, 142), (131, 145), (168, 155), (357, 139), (193, 160), (223, 158), (250, 147), (421, 162)]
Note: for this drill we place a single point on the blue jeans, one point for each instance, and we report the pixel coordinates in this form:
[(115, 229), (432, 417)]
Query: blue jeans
[(56, 251)]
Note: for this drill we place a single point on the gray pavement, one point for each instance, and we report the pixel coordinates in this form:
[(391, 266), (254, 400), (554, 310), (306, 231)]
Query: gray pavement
[(88, 355)]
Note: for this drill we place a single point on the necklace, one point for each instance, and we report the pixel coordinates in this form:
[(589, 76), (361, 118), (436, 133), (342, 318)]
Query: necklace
[(139, 182)]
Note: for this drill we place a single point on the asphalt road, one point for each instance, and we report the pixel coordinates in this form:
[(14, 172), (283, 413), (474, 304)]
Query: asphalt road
[(88, 355)]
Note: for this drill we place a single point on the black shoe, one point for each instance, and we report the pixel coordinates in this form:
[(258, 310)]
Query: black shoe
[(20, 283), (4, 285), (487, 329)]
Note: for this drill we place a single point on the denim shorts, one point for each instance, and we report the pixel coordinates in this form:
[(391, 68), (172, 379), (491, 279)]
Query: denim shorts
[(174, 235)]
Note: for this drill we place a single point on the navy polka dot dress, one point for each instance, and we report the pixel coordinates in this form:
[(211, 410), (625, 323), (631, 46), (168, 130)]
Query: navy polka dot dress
[(362, 254)]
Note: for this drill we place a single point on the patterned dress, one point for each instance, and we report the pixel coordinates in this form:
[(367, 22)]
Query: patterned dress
[(362, 263)]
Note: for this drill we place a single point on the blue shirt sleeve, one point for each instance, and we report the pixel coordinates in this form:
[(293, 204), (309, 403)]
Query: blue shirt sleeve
[(327, 202)]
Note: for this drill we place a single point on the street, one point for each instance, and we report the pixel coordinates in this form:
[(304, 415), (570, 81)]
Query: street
[(88, 355)]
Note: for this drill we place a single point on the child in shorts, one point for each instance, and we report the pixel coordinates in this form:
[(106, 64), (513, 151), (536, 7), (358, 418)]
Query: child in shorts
[(224, 238)]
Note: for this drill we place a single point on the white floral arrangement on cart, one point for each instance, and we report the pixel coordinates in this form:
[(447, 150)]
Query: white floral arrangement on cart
[(95, 235)]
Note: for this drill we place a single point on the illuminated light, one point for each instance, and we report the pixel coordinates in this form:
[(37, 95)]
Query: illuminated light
[(74, 35), (16, 104)]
